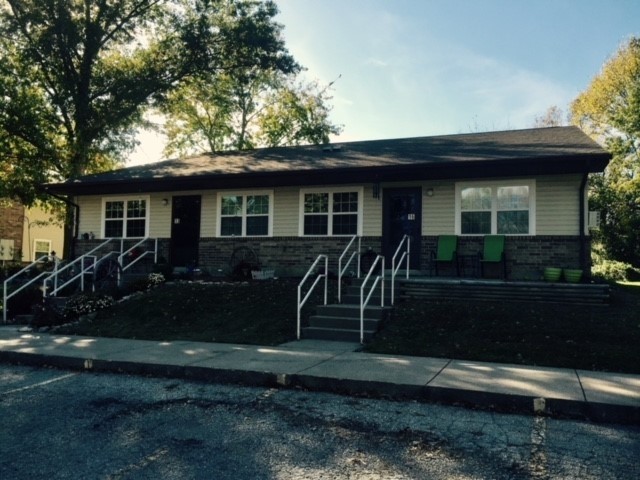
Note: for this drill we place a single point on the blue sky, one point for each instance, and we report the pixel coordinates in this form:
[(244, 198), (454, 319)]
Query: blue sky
[(430, 67)]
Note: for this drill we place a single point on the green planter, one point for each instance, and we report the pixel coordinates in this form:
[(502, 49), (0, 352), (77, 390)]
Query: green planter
[(552, 274), (572, 276)]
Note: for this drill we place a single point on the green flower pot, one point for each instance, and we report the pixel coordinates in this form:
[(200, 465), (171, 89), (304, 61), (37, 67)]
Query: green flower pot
[(552, 274), (572, 276)]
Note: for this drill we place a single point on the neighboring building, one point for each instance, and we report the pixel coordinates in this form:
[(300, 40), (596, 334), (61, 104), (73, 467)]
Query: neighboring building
[(291, 203), (27, 233)]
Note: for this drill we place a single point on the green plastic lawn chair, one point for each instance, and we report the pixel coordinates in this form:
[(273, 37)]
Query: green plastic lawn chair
[(493, 252), (447, 252)]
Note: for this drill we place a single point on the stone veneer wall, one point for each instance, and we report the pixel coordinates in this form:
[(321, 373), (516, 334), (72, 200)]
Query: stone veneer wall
[(288, 256), (526, 257), (291, 256)]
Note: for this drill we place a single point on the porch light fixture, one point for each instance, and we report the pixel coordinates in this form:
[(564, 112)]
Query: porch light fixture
[(165, 201), (376, 190), (429, 192)]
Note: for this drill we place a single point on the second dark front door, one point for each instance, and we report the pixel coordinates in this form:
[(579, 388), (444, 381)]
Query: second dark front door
[(402, 215), (185, 230)]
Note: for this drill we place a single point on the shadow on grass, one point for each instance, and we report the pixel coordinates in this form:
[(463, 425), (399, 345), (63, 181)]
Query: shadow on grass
[(264, 313), (528, 333)]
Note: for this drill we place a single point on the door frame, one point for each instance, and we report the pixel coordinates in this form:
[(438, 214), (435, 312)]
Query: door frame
[(195, 245), (416, 240)]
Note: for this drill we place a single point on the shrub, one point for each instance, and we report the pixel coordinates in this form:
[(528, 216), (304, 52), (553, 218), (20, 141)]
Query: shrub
[(155, 279), (23, 301), (163, 268), (611, 270), (83, 303)]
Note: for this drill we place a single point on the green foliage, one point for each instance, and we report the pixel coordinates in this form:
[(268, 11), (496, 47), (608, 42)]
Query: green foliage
[(609, 110), (608, 270), (76, 76), (147, 283), (84, 303), (22, 302), (245, 109)]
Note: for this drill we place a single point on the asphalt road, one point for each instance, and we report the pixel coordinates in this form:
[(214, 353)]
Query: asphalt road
[(58, 424)]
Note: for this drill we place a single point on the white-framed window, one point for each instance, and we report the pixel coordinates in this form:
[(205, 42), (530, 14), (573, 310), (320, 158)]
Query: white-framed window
[(41, 247), (125, 217), (331, 211), (500, 207), (245, 214)]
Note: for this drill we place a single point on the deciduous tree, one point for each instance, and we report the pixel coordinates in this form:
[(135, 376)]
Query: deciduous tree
[(246, 109), (609, 110), (77, 75)]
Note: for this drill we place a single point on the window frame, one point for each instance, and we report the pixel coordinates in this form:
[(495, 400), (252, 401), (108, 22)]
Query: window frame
[(35, 241), (494, 186), (125, 199), (330, 191), (244, 194)]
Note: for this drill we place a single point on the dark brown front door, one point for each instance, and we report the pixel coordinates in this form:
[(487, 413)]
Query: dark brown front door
[(185, 230), (402, 215)]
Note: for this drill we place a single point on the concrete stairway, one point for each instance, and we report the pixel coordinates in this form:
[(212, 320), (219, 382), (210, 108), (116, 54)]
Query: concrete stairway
[(498, 291), (341, 321)]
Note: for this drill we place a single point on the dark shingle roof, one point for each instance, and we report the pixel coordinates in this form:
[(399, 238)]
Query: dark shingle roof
[(563, 148)]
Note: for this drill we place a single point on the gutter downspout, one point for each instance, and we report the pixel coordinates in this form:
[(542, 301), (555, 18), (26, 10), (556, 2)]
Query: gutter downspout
[(76, 217), (583, 238)]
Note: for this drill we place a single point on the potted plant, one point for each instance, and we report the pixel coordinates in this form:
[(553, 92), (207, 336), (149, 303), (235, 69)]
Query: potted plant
[(572, 275), (552, 274)]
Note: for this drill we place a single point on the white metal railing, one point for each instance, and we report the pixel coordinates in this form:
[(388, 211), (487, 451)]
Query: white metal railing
[(320, 276), (395, 266), (5, 287), (341, 269), (127, 253), (364, 301), (69, 268)]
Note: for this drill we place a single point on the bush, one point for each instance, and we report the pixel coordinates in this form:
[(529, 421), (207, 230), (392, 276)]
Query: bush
[(611, 271), (165, 269), (83, 303), (23, 301), (147, 283)]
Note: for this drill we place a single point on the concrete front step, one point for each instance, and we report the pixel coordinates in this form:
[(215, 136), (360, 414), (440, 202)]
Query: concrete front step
[(340, 335), (590, 294), (344, 323), (352, 310)]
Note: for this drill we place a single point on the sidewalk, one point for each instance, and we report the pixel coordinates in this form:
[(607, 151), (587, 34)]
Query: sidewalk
[(339, 367)]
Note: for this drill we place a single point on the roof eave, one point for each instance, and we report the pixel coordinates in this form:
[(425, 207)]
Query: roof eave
[(435, 171)]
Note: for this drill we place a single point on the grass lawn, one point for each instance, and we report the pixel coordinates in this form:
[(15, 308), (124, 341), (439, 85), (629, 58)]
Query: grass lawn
[(264, 313), (260, 313), (573, 336)]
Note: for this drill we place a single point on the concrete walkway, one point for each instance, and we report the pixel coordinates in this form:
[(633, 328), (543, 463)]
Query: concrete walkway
[(340, 367)]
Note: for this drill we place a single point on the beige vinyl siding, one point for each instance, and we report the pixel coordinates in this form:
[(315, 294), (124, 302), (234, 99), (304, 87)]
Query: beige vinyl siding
[(371, 213), (286, 212), (90, 214), (558, 205), (209, 217), (39, 225), (159, 214), (556, 208), (438, 211)]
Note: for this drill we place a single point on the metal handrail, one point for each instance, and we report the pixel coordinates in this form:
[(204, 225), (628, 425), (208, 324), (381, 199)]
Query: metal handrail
[(302, 301), (56, 274), (84, 269), (341, 270), (365, 301), (394, 269), (124, 254), (6, 296)]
